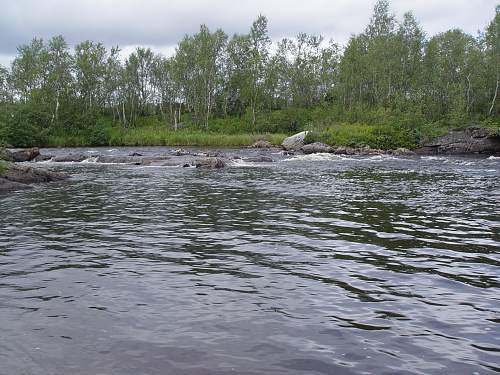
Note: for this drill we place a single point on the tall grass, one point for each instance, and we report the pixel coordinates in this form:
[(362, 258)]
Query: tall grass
[(154, 136), (375, 136)]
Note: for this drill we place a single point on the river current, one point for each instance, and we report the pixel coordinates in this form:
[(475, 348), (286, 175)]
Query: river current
[(308, 265)]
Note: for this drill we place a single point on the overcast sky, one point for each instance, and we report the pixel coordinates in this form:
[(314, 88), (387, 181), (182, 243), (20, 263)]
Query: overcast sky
[(161, 23)]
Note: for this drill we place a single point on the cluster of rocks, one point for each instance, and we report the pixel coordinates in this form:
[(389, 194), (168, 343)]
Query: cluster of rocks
[(297, 142), (472, 140), (262, 144)]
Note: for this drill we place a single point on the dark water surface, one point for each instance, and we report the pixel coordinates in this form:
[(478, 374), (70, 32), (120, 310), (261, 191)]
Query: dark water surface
[(314, 265)]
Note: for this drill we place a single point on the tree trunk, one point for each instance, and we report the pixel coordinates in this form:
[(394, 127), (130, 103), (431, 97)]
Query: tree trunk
[(123, 113), (494, 98), (467, 109)]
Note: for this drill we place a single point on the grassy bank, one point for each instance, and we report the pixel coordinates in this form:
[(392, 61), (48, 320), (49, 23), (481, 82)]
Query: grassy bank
[(380, 128), (153, 136)]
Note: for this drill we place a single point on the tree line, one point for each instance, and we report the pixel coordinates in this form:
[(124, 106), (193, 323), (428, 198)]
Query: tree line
[(392, 65)]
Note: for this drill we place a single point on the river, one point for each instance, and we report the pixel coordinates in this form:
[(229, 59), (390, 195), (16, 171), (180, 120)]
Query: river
[(309, 265)]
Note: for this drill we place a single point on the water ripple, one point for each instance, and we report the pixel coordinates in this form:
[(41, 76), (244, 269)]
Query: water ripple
[(320, 264)]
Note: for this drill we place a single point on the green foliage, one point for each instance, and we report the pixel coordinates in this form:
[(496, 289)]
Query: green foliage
[(391, 86), (375, 136), (22, 125)]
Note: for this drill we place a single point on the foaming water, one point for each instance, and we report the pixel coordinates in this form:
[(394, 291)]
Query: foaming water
[(316, 265)]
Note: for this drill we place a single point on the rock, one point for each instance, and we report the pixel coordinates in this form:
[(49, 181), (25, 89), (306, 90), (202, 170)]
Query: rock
[(473, 140), (25, 154), (215, 154), (261, 144), (6, 185), (258, 159), (135, 154), (5, 155), (295, 142), (164, 161), (43, 158), (210, 162), (344, 150), (70, 158), (181, 152), (401, 151), (367, 150), (315, 148), (20, 176), (118, 159)]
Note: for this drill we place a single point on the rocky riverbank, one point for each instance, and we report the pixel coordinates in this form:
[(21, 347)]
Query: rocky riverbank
[(470, 141)]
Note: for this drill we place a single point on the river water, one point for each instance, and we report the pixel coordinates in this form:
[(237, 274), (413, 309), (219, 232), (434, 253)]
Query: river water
[(308, 265)]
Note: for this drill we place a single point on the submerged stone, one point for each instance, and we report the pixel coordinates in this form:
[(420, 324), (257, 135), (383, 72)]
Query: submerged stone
[(316, 147), (210, 162), (20, 176)]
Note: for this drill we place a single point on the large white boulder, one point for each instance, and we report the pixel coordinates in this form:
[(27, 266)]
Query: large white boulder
[(295, 142)]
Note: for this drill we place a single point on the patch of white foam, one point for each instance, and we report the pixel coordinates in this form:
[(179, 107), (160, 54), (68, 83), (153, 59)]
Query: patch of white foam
[(92, 159), (494, 158), (433, 158), (246, 164), (314, 157)]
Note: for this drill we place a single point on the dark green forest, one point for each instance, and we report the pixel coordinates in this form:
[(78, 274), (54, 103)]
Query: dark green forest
[(390, 86)]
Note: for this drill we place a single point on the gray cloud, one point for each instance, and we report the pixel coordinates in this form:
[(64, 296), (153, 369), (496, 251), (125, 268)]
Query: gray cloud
[(161, 23)]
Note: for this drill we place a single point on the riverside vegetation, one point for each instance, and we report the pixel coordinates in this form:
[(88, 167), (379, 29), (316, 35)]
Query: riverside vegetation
[(390, 86)]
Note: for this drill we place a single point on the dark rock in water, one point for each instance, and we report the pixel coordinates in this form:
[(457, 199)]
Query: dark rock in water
[(215, 154), (20, 176), (6, 185), (119, 159), (210, 162), (258, 159), (473, 140), (25, 155), (43, 158), (295, 142), (135, 154), (315, 148), (70, 158), (261, 144), (187, 165), (157, 160)]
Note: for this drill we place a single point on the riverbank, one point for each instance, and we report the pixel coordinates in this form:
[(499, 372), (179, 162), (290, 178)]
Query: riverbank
[(355, 135)]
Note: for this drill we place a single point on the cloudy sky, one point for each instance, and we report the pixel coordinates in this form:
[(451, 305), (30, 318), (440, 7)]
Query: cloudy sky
[(161, 23)]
